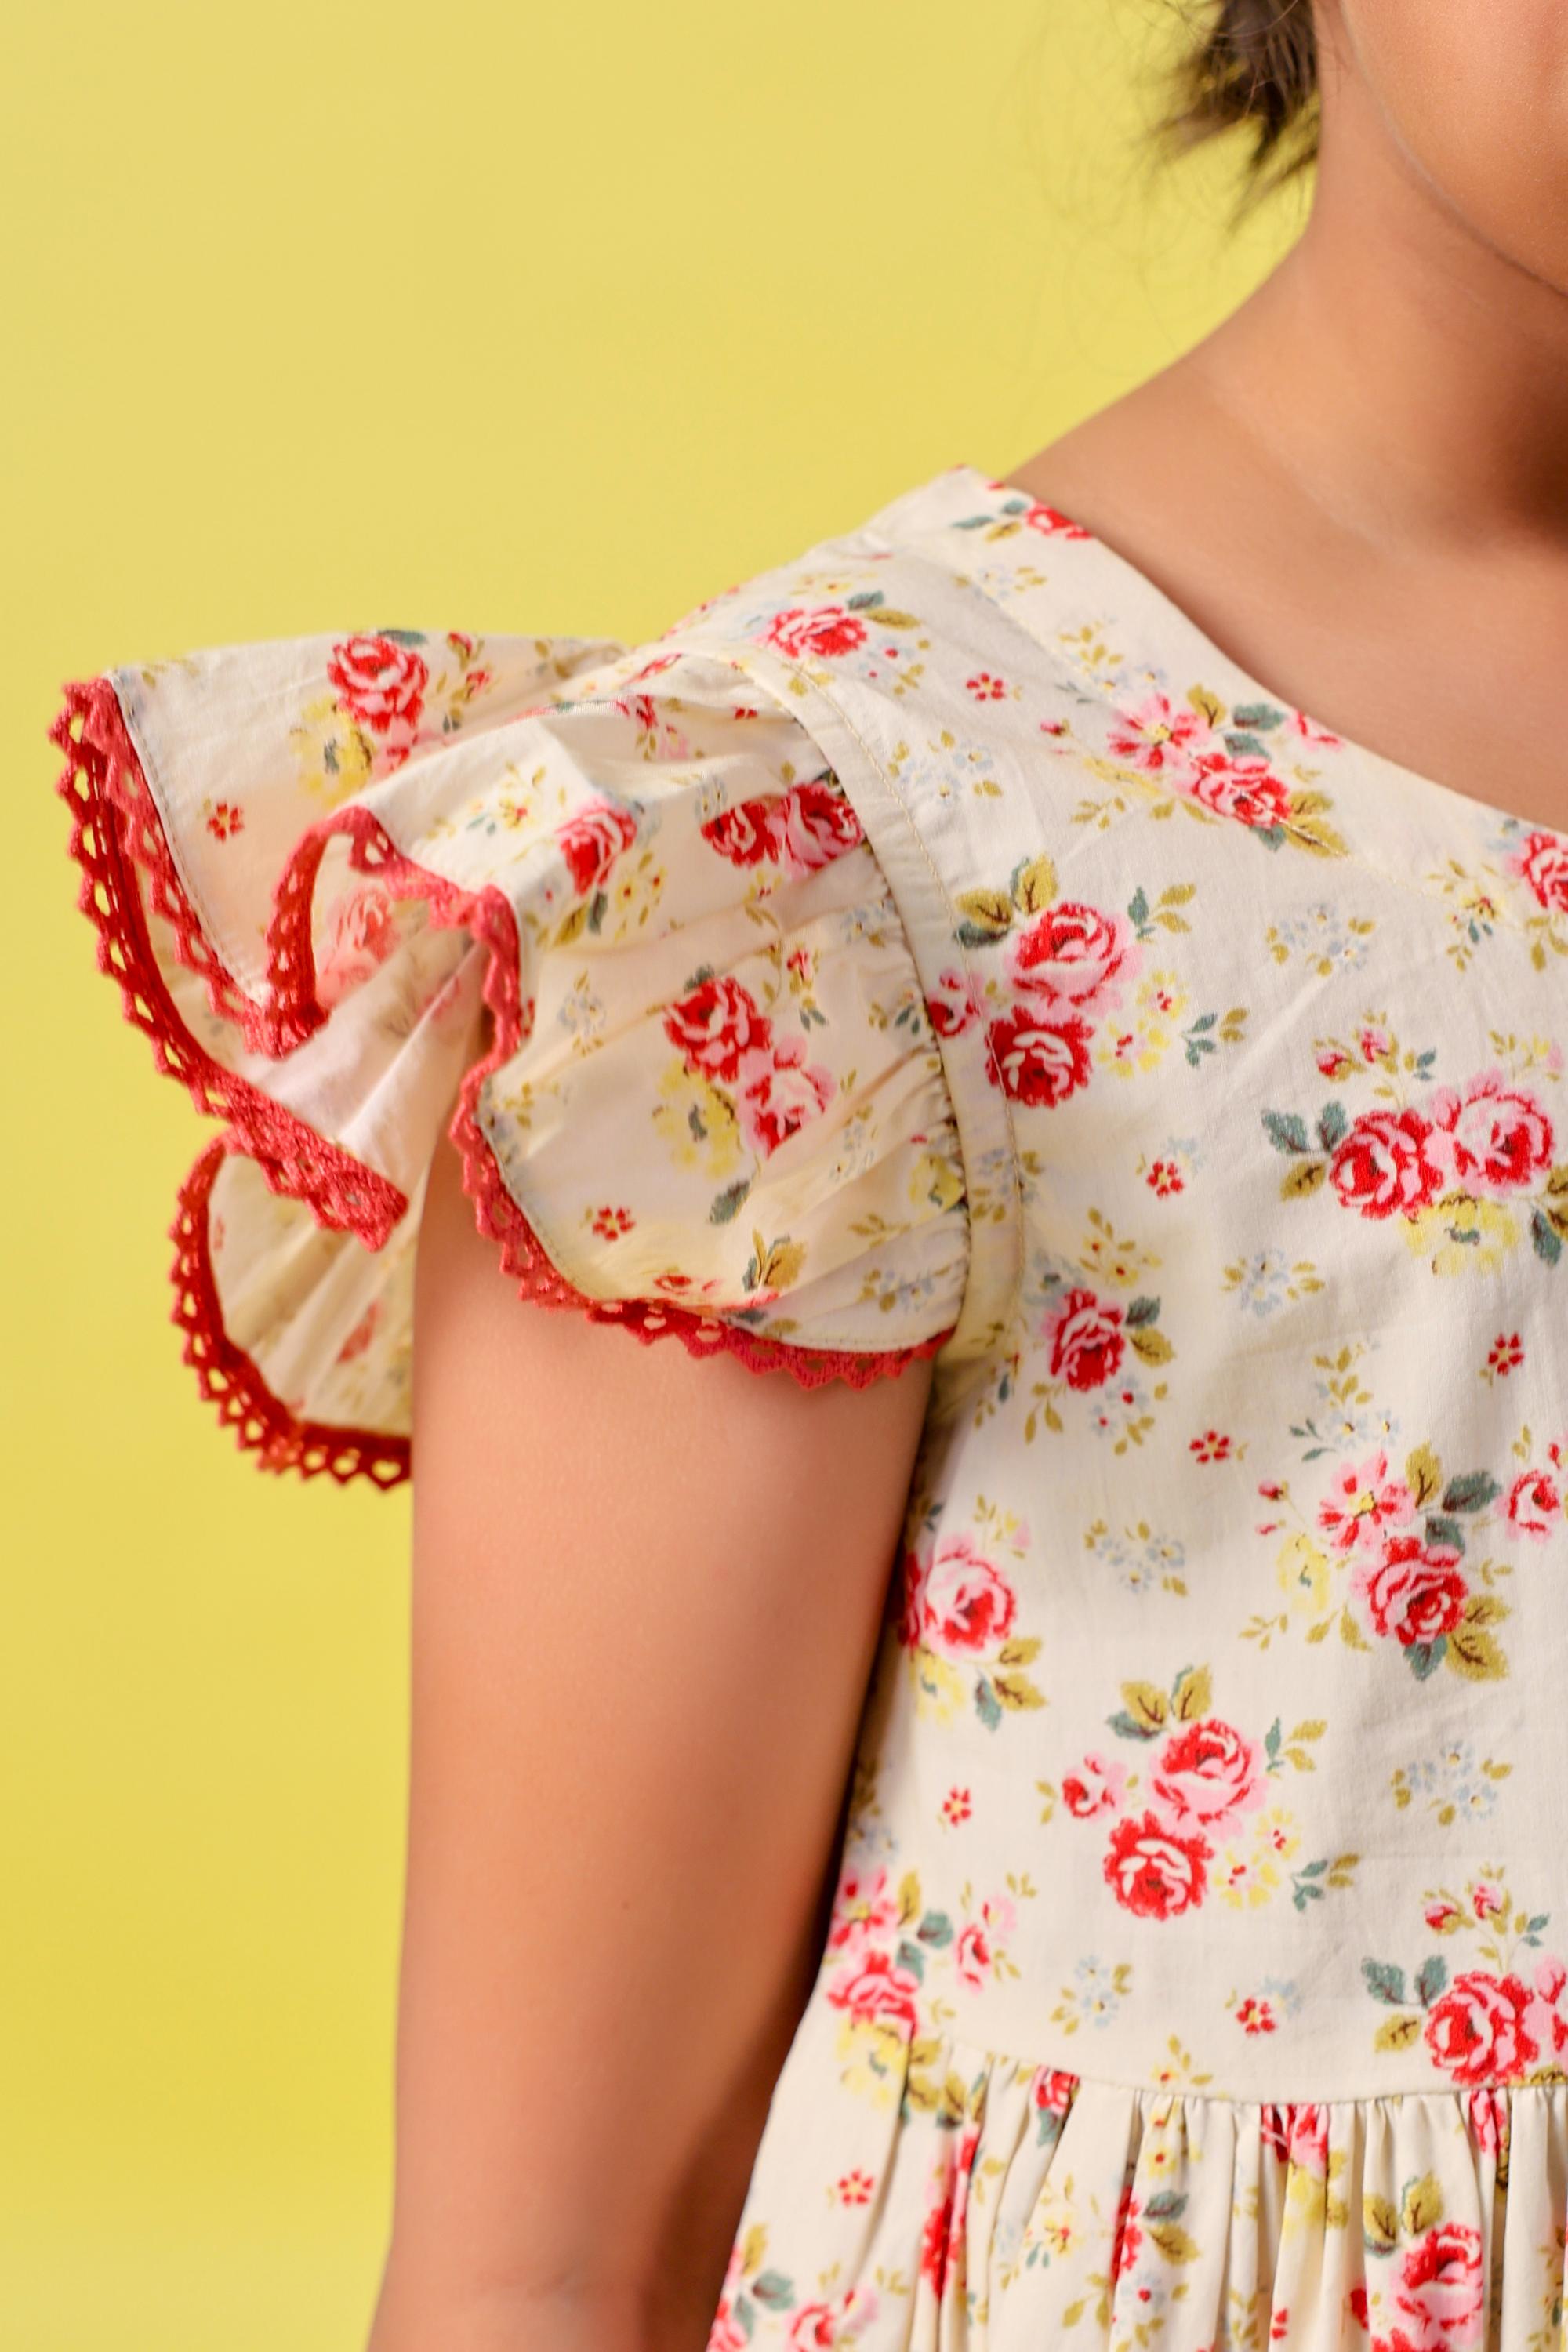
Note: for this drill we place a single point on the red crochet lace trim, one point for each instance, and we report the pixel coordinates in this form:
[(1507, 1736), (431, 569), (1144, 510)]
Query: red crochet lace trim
[(229, 1379), (116, 831)]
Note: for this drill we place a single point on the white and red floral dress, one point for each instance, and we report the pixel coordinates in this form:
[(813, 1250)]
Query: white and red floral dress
[(936, 945)]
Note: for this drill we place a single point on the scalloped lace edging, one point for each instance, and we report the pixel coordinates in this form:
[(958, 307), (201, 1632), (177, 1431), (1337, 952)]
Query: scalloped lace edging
[(117, 833)]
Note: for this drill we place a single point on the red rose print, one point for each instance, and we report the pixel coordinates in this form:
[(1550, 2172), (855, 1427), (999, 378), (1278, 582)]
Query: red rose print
[(942, 2238), (380, 682), (876, 1991), (1415, 1591), (1154, 1871), (1042, 518), (968, 1605), (591, 839), (1208, 1775), (1128, 2237), (360, 1337), (960, 998), (1534, 1503), (1495, 1136), (361, 932), (1480, 2027), (1243, 789), (1087, 1340), (801, 829), (717, 1024), (1096, 1786), (823, 633), (1543, 864), (744, 834), (1073, 955), (911, 1613), (1441, 2289), (1488, 2114), (1386, 1165), (974, 1953), (1039, 1060), (1053, 2090), (814, 823), (778, 1097)]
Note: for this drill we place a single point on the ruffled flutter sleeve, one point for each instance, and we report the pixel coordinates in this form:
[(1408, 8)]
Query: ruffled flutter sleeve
[(606, 900)]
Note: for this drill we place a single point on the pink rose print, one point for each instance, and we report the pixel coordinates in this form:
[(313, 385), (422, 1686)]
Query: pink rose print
[(825, 632), (1208, 1775), (1534, 1503), (1542, 864), (1363, 1505), (1154, 1871), (1039, 1060), (959, 1000), (967, 1605), (779, 1097), (1096, 1786), (1088, 1341), (1441, 2291), (591, 839), (1415, 1591), (1039, 517), (875, 1990), (1386, 1165), (716, 1026), (381, 684), (1496, 1137), (361, 932), (1073, 955), (1245, 789)]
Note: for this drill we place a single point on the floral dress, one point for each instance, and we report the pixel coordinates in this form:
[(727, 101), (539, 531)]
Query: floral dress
[(937, 947)]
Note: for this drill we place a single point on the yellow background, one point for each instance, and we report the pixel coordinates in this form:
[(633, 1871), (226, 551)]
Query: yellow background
[(495, 317)]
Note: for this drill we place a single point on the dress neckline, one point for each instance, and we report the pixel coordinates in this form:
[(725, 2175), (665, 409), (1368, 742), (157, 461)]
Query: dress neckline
[(1203, 652)]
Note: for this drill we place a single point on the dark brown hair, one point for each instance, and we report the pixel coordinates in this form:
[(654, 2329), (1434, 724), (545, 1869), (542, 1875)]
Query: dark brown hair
[(1254, 64)]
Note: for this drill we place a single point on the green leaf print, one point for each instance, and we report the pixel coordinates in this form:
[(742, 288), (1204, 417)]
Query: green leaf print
[(1472, 1492), (1385, 1981), (726, 1203), (1432, 1981), (1286, 1131)]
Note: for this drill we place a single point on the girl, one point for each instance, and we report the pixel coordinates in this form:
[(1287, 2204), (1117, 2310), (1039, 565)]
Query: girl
[(997, 1779)]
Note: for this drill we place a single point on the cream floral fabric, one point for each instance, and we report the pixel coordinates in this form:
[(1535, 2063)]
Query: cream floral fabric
[(938, 942)]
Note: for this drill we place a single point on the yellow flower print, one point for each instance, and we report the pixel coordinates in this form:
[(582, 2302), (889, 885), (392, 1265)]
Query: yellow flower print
[(1303, 1571), (1140, 1039), (334, 756), (1247, 1877), (935, 1179), (871, 2058), (696, 1124), (1461, 1234)]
